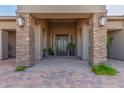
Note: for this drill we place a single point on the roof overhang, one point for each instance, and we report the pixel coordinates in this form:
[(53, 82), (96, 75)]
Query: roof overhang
[(7, 18), (111, 30), (61, 8), (115, 18)]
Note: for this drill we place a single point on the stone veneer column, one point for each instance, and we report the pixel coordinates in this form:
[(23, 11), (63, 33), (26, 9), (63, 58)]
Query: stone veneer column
[(25, 41), (97, 40)]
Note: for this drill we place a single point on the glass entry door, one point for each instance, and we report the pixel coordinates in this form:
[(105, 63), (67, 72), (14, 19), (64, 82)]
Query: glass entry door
[(61, 44)]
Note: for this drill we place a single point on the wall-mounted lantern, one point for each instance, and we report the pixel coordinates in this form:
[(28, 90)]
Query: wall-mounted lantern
[(21, 21), (102, 20)]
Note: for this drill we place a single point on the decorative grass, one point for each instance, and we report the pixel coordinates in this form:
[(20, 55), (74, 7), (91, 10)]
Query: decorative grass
[(20, 68), (104, 69)]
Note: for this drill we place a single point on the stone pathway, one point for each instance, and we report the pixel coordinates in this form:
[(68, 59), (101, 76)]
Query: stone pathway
[(59, 72)]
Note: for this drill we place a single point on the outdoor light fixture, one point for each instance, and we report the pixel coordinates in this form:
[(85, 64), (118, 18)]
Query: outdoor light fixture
[(20, 21), (102, 20)]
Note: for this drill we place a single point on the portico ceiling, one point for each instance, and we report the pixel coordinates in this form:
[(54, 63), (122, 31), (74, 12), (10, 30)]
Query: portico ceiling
[(60, 15), (62, 20), (65, 20)]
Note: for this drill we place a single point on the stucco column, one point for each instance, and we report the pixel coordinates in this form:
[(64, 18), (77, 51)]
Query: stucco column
[(45, 38), (38, 41), (25, 41), (85, 41), (78, 42), (42, 41), (3, 44), (97, 40), (81, 43), (0, 44)]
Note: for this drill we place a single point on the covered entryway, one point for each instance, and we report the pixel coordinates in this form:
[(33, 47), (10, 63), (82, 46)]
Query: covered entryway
[(61, 32), (58, 33), (34, 36)]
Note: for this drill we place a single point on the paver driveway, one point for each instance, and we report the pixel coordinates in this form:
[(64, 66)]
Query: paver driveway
[(59, 72)]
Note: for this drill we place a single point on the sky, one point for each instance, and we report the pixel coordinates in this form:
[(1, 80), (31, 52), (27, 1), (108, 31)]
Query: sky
[(115, 9), (9, 10)]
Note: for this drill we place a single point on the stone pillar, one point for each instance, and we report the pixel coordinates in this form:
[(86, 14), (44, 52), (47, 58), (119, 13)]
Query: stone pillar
[(25, 41), (97, 40)]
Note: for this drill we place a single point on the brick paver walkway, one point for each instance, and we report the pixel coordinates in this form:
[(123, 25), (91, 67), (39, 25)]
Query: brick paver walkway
[(59, 72)]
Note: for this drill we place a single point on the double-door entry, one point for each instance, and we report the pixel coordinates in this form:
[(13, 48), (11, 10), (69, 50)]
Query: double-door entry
[(61, 44)]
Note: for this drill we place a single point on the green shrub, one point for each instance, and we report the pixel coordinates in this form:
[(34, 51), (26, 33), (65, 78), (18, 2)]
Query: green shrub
[(20, 68), (45, 50), (104, 69), (71, 46), (51, 51), (109, 40)]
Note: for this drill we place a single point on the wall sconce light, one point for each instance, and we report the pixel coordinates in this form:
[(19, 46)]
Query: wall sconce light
[(102, 20), (20, 21)]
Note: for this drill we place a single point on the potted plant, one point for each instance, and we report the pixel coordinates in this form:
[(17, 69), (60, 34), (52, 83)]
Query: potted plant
[(45, 52), (71, 49), (50, 51)]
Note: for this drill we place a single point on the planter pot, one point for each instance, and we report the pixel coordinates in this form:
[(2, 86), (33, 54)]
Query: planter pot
[(68, 53), (44, 54), (52, 54), (72, 52)]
